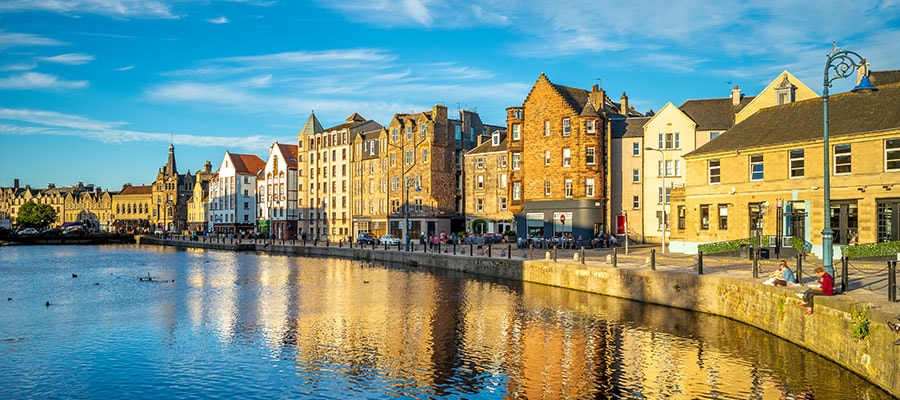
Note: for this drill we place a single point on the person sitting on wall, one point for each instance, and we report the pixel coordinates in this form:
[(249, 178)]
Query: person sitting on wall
[(825, 287), (782, 276)]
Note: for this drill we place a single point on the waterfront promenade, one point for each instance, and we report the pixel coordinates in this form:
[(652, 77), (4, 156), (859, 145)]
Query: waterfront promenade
[(849, 328)]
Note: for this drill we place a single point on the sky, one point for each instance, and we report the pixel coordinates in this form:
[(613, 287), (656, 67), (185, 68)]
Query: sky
[(94, 91)]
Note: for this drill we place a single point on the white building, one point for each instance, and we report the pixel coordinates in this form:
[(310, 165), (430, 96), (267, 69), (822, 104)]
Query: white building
[(276, 193), (232, 194)]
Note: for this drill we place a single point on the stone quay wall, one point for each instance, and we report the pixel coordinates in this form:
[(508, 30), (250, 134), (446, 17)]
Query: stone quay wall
[(828, 332)]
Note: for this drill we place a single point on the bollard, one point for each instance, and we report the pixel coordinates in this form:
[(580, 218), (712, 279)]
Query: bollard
[(341, 244), (508, 251), (892, 281), (470, 250), (799, 268), (582, 255), (755, 255), (845, 284), (615, 257), (454, 248), (489, 251), (653, 259), (554, 253), (700, 263)]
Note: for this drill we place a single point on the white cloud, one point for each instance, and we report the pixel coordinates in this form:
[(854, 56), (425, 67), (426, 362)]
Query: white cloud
[(220, 20), (125, 68), (110, 8), (37, 80), (11, 39), (425, 13), (42, 122), (18, 67), (69, 59)]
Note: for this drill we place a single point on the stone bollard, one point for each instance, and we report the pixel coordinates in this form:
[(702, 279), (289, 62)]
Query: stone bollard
[(547, 255), (576, 257)]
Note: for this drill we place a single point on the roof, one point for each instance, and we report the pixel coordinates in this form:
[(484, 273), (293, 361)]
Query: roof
[(312, 125), (247, 164), (289, 151), (884, 77), (132, 190), (849, 114), (634, 127), (488, 147), (713, 114)]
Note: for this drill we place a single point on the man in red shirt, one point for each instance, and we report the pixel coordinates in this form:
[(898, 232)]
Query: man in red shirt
[(825, 287)]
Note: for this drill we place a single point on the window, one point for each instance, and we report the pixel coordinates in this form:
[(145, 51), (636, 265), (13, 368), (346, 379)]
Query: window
[(546, 157), (842, 160), (681, 218), (457, 131), (892, 155), (756, 167), (516, 131), (409, 157), (517, 191), (409, 132), (589, 187), (495, 139), (635, 149), (669, 141), (589, 126), (660, 194), (516, 161), (662, 220), (796, 163), (713, 135), (567, 126), (723, 216), (479, 182), (636, 202), (546, 127), (704, 216), (547, 188), (589, 155), (502, 181), (502, 162), (422, 130), (479, 205), (677, 140), (566, 157), (713, 166), (568, 188), (425, 155), (636, 175), (502, 204), (479, 163)]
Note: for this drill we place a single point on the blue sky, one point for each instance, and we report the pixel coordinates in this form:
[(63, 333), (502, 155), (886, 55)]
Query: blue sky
[(95, 90)]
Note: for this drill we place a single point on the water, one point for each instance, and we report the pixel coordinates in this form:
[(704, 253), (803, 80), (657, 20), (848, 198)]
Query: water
[(253, 326)]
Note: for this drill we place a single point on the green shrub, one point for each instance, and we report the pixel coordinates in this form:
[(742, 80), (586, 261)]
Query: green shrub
[(871, 249), (860, 316), (730, 245)]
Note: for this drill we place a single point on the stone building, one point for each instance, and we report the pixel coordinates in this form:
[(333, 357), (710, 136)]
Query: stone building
[(369, 182), (763, 177), (487, 186), (171, 192), (91, 209), (131, 208), (198, 205), (12, 198), (558, 143)]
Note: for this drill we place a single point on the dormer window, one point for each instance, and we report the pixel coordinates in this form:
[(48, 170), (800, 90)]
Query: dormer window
[(785, 92), (495, 139)]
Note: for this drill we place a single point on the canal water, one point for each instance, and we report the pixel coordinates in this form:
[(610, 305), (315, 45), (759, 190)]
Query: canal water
[(215, 324)]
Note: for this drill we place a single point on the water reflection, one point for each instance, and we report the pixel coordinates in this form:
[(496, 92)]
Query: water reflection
[(261, 326)]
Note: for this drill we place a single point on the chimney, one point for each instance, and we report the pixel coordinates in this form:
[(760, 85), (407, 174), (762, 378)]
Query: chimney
[(16, 184), (736, 96), (597, 98), (51, 186), (624, 110)]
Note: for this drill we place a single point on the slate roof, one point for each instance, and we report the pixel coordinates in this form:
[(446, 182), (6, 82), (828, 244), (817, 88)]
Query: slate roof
[(884, 77), (713, 114), (634, 127), (132, 190), (487, 146), (312, 125), (849, 114)]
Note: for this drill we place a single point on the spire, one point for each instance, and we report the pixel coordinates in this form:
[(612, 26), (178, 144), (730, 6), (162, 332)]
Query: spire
[(312, 126), (171, 169)]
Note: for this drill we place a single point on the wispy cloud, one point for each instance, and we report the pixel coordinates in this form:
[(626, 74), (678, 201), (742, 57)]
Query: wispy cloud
[(37, 80), (42, 122), (426, 13), (220, 20), (69, 59), (125, 68), (110, 8), (24, 66), (13, 39)]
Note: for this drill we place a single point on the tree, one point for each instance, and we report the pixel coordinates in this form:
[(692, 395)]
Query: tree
[(35, 215)]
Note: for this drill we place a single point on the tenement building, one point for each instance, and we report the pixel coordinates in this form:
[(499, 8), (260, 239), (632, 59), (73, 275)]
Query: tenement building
[(276, 193), (198, 205), (487, 186), (763, 178), (557, 143)]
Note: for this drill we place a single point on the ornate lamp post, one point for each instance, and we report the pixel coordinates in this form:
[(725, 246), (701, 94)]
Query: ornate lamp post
[(840, 64), (663, 175)]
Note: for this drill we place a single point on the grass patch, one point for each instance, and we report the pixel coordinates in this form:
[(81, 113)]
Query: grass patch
[(860, 320)]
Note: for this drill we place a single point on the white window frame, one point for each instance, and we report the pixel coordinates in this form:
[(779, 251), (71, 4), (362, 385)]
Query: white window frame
[(567, 126), (757, 168), (892, 155), (844, 159), (517, 190), (516, 161), (546, 157), (636, 149), (590, 155), (566, 157), (568, 188), (516, 131), (714, 172), (636, 202), (546, 188), (589, 187), (546, 127), (479, 182), (636, 175), (589, 126), (797, 164)]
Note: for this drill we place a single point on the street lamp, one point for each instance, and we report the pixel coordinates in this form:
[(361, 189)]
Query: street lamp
[(840, 64), (663, 176), (406, 228)]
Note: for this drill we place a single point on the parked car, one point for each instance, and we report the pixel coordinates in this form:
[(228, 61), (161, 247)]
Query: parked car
[(27, 231), (366, 239), (390, 240)]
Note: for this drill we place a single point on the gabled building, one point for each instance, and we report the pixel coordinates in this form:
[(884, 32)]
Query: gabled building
[(131, 208), (276, 193), (369, 182), (763, 177), (232, 195), (198, 205), (487, 186), (93, 209), (171, 192), (558, 152)]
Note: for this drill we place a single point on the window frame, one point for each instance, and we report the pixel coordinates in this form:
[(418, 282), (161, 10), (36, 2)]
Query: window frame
[(590, 155), (589, 187), (888, 152), (846, 158), (794, 171), (704, 217), (566, 126), (723, 218), (757, 168), (568, 188), (710, 176)]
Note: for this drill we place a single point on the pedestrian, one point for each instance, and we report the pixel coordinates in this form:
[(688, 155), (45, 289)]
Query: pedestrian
[(825, 287)]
